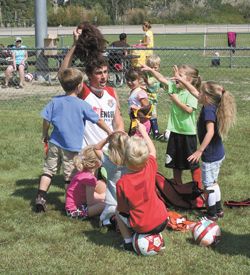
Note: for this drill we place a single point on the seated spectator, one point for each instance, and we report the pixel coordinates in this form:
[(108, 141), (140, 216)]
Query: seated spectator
[(19, 58), (115, 55), (216, 59), (122, 42)]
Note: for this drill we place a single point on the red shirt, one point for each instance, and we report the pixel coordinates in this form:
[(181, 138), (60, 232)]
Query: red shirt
[(136, 196)]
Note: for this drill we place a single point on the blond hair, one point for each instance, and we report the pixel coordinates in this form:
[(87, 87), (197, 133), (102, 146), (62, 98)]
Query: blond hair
[(226, 107), (193, 73), (153, 60), (117, 143), (87, 159), (136, 152), (70, 78)]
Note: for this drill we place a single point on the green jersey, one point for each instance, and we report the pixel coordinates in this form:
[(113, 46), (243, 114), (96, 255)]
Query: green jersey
[(179, 121)]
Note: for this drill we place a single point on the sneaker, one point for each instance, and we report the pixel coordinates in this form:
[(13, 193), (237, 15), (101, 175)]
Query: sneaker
[(4, 86), (159, 137), (128, 247), (40, 204)]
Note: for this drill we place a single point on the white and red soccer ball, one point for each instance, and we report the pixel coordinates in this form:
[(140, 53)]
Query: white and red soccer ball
[(28, 77), (206, 232), (148, 244)]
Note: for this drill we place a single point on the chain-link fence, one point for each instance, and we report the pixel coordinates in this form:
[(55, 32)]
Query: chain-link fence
[(230, 66)]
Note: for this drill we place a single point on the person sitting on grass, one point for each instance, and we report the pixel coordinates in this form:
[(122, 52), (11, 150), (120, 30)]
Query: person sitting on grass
[(68, 115), (139, 209), (85, 195)]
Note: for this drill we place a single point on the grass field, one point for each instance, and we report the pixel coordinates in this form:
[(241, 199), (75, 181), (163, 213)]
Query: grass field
[(52, 243)]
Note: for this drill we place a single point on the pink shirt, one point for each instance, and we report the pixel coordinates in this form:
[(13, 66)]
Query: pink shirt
[(76, 192)]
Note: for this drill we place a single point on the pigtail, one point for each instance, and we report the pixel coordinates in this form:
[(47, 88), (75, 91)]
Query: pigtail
[(226, 113)]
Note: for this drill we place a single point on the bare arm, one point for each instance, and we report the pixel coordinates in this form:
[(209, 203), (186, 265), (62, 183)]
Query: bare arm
[(207, 139), (101, 123), (183, 106), (186, 83), (156, 74), (118, 123), (67, 61), (141, 128)]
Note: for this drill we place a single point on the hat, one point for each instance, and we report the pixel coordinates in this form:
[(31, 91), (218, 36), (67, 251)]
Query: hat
[(18, 38)]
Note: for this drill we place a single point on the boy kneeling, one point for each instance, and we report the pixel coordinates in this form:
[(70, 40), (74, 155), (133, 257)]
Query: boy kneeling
[(139, 208)]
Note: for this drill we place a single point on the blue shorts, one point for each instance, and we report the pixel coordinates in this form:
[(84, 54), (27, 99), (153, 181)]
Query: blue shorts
[(210, 172)]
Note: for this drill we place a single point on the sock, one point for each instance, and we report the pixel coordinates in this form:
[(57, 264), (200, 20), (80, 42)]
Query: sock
[(128, 240), (154, 126), (42, 193), (211, 200), (217, 192), (196, 176)]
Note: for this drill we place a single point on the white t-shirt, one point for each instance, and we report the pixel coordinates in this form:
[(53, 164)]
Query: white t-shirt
[(105, 107)]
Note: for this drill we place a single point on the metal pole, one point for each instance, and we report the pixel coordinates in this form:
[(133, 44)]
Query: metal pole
[(41, 29), (41, 32)]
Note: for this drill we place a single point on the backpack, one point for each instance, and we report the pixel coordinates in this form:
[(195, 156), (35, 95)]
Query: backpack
[(178, 195)]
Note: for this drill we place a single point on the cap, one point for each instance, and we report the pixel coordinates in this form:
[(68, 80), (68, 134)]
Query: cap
[(18, 38)]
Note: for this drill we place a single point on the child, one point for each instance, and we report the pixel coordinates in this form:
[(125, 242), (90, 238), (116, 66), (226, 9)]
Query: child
[(83, 199), (139, 208), (217, 116), (182, 124), (153, 86), (139, 106), (113, 162), (68, 114)]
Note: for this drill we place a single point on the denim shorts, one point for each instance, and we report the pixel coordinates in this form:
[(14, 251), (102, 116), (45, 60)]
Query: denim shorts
[(210, 172)]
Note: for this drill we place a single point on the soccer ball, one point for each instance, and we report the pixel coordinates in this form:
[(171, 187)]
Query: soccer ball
[(206, 232), (28, 77), (147, 244)]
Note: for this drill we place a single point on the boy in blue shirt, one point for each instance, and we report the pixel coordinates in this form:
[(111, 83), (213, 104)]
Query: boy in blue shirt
[(68, 114)]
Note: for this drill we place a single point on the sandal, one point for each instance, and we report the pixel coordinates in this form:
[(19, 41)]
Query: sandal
[(4, 86)]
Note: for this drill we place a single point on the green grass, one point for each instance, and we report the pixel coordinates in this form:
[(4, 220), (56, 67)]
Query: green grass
[(52, 243)]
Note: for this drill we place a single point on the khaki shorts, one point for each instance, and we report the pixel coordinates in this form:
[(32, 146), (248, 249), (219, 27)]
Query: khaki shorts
[(58, 157)]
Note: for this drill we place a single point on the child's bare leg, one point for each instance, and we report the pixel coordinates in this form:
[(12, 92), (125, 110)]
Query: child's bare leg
[(125, 231), (96, 209), (177, 176), (100, 187), (44, 183)]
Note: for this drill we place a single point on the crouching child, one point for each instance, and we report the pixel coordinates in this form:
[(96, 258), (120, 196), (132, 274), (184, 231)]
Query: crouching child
[(139, 208)]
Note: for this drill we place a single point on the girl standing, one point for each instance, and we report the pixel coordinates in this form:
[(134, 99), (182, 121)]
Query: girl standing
[(148, 39), (139, 106), (217, 116), (181, 123)]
